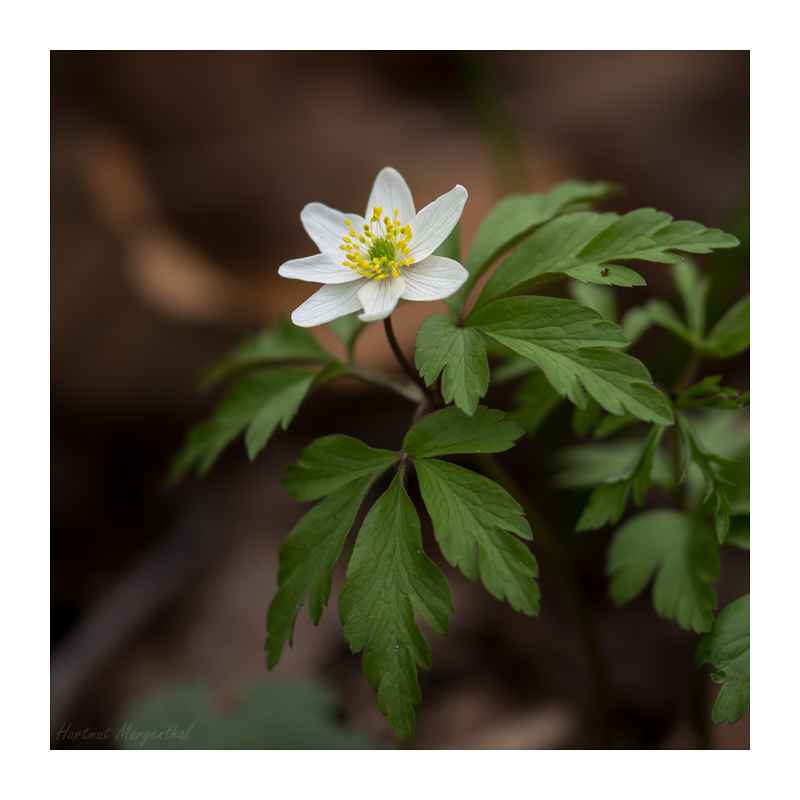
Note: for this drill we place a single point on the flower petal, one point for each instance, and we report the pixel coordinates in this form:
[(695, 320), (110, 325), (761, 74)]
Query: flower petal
[(330, 302), (379, 298), (391, 192), (326, 225), (434, 278), (321, 268), (433, 224)]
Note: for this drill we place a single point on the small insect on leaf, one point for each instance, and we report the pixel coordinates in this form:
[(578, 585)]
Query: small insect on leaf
[(604, 272)]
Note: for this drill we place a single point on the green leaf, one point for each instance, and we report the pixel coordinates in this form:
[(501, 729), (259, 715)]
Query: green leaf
[(537, 398), (307, 557), (460, 353), (545, 255), (620, 383), (586, 245), (690, 237), (717, 433), (693, 450), (739, 534), (607, 503), (518, 216), (661, 313), (387, 573), (726, 434), (500, 351), (600, 298), (680, 552), (470, 516), (641, 472), (547, 322), (561, 337), (727, 648), (284, 342), (348, 329), (605, 507), (707, 393), (731, 335), (693, 288), (516, 367), (584, 466), (450, 431), (635, 323), (281, 409), (331, 462), (512, 365), (611, 423), (277, 392)]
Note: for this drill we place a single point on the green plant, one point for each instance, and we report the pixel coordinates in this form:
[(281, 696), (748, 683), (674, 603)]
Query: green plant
[(560, 350)]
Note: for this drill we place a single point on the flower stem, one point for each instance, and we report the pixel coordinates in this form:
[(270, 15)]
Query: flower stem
[(561, 567), (404, 363)]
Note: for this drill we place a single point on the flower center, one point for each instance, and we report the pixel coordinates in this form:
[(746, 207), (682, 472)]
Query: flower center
[(381, 249)]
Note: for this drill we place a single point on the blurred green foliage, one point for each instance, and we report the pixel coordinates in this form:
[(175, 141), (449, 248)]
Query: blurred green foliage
[(263, 716)]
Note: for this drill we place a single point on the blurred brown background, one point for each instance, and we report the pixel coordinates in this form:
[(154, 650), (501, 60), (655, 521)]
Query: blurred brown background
[(177, 183)]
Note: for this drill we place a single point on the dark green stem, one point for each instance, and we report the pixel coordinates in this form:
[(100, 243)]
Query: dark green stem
[(404, 363), (561, 567)]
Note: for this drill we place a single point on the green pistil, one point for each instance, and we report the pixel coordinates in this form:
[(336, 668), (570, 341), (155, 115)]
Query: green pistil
[(381, 248)]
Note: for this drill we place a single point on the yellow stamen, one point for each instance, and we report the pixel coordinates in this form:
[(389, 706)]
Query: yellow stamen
[(382, 251)]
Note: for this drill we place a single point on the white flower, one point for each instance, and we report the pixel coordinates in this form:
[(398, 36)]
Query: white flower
[(371, 262)]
